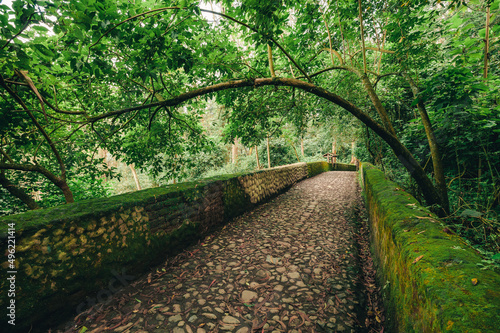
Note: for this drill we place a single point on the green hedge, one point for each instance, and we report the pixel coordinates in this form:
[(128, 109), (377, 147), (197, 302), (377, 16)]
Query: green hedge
[(428, 276)]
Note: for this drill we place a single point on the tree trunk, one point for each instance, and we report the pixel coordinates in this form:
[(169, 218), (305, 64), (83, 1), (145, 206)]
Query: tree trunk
[(268, 154), (353, 156), (270, 58), (257, 157), (486, 43), (334, 151), (18, 192), (302, 147), (235, 151), (295, 150), (437, 160), (378, 104), (362, 35), (68, 195), (136, 179)]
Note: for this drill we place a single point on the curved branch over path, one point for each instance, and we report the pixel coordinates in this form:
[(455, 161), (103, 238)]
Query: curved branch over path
[(404, 155)]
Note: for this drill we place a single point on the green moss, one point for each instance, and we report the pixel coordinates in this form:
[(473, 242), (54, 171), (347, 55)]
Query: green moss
[(427, 272)]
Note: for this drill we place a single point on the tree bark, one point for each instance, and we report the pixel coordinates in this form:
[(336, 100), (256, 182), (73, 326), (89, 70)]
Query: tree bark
[(486, 43), (377, 104), (18, 192), (235, 151), (270, 58), (437, 160), (362, 35), (334, 151), (58, 181), (257, 157), (353, 156), (136, 179), (295, 150)]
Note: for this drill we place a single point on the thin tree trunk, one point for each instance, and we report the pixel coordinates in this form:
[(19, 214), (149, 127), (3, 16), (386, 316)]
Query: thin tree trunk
[(58, 181), (362, 36), (378, 104), (334, 151), (18, 192), (235, 151), (487, 43), (437, 160), (329, 37), (270, 57), (257, 157), (68, 195), (302, 147), (353, 156), (136, 179), (268, 154), (295, 150)]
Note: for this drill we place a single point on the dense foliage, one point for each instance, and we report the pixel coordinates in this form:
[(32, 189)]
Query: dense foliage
[(181, 91)]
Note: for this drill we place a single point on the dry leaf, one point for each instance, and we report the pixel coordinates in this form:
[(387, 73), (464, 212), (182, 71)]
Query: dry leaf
[(426, 218), (474, 281), (417, 259)]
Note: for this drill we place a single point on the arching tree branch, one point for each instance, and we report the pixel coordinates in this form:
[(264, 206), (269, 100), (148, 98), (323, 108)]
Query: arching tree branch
[(403, 154)]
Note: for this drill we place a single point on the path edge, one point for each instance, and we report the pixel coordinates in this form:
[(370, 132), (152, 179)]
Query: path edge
[(430, 279)]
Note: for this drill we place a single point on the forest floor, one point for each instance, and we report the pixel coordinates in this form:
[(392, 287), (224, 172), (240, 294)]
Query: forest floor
[(298, 263)]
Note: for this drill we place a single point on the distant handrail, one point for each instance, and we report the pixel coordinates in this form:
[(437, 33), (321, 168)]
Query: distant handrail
[(331, 158)]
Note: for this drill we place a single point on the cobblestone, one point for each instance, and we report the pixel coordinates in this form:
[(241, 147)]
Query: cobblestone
[(287, 266)]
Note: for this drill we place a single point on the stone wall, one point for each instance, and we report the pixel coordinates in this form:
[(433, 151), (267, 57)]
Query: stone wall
[(66, 253), (430, 279)]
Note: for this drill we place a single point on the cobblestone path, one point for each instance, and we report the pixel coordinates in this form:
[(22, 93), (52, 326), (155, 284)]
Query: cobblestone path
[(290, 265)]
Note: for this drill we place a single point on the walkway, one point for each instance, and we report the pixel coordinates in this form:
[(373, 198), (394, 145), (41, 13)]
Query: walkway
[(290, 265)]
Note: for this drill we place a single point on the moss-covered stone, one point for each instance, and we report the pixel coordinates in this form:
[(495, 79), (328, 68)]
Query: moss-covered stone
[(426, 273)]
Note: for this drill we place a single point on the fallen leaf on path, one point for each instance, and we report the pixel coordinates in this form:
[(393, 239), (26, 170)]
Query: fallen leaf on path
[(417, 259)]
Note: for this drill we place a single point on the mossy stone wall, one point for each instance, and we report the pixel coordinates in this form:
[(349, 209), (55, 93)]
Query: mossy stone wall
[(427, 274), (66, 253)]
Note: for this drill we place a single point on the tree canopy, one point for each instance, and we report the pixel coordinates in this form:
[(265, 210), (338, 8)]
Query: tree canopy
[(136, 78)]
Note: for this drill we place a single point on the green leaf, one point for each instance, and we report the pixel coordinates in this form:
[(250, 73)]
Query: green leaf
[(43, 50), (40, 28)]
